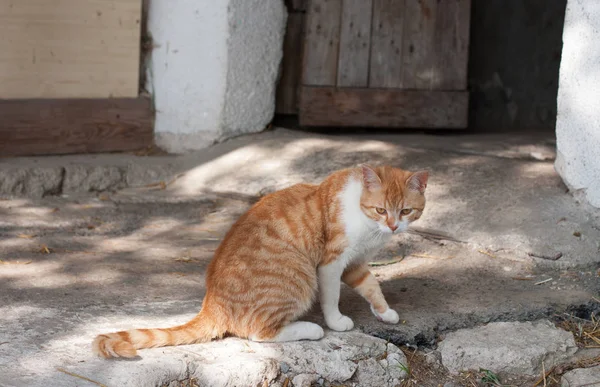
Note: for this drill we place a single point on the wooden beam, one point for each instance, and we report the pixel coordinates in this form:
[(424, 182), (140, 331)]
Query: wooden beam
[(69, 48), (61, 126), (362, 107)]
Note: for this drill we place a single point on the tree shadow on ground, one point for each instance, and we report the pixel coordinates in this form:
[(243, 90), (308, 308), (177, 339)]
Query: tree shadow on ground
[(144, 260)]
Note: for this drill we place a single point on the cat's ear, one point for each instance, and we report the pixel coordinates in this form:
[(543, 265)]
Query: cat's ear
[(370, 179), (418, 181)]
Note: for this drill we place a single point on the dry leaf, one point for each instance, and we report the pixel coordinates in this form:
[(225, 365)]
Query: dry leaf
[(91, 227), (45, 249), (54, 210), (104, 197), (25, 236)]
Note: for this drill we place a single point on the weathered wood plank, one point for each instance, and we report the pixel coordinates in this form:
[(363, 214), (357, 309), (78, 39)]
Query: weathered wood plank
[(61, 126), (69, 48), (451, 45), (365, 107), (291, 66), (355, 43), (386, 43), (418, 47), (322, 42)]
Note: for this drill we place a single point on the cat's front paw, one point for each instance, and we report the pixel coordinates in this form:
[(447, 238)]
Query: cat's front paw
[(340, 324), (390, 316)]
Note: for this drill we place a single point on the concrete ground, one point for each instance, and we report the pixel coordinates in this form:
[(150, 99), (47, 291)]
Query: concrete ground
[(500, 240)]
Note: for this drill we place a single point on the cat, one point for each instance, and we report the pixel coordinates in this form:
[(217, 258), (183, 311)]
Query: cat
[(291, 245)]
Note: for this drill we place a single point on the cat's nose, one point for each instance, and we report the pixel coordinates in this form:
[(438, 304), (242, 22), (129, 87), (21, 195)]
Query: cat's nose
[(393, 227)]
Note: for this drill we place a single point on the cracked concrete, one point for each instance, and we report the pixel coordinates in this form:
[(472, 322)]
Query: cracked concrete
[(38, 177), (136, 256)]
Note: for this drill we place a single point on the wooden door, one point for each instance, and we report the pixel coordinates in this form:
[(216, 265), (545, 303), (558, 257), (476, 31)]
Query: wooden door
[(385, 63)]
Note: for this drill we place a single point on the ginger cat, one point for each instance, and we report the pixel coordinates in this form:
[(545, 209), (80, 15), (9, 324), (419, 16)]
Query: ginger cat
[(266, 272)]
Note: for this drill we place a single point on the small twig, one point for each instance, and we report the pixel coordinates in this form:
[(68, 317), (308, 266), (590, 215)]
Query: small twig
[(249, 350), (4, 342), (81, 377), (385, 263), (544, 376), (543, 282), (433, 234), (185, 259), (78, 252), (487, 253), (595, 339), (159, 185), (429, 256), (15, 262), (45, 249), (554, 257), (544, 373)]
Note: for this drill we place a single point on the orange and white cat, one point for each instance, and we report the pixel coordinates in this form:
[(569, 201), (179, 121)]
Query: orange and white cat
[(288, 247)]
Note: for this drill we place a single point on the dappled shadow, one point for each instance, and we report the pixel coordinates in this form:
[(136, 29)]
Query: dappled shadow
[(138, 259)]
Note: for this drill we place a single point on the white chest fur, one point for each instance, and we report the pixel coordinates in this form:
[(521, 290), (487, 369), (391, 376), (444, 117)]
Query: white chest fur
[(364, 235)]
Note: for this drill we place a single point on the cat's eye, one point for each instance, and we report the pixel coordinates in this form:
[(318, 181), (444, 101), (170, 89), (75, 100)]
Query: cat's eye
[(406, 211), (380, 210)]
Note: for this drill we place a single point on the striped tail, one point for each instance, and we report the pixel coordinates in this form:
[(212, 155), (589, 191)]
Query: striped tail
[(126, 343)]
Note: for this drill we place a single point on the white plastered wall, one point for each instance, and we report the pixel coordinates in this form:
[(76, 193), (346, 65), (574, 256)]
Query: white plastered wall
[(578, 105), (213, 70)]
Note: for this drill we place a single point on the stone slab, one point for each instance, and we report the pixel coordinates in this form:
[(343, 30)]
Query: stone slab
[(518, 348)]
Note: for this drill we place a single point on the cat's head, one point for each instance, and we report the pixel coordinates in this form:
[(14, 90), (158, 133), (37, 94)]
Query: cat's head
[(392, 197)]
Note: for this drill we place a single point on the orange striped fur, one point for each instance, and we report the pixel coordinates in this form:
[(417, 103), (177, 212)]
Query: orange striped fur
[(290, 246)]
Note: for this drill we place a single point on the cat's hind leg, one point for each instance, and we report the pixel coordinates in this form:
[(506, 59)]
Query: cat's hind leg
[(295, 331)]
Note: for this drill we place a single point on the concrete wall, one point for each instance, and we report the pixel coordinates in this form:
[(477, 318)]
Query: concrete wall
[(213, 70), (513, 63), (578, 120)]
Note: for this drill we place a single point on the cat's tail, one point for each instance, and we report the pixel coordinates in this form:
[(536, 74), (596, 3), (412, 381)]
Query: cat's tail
[(200, 329)]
